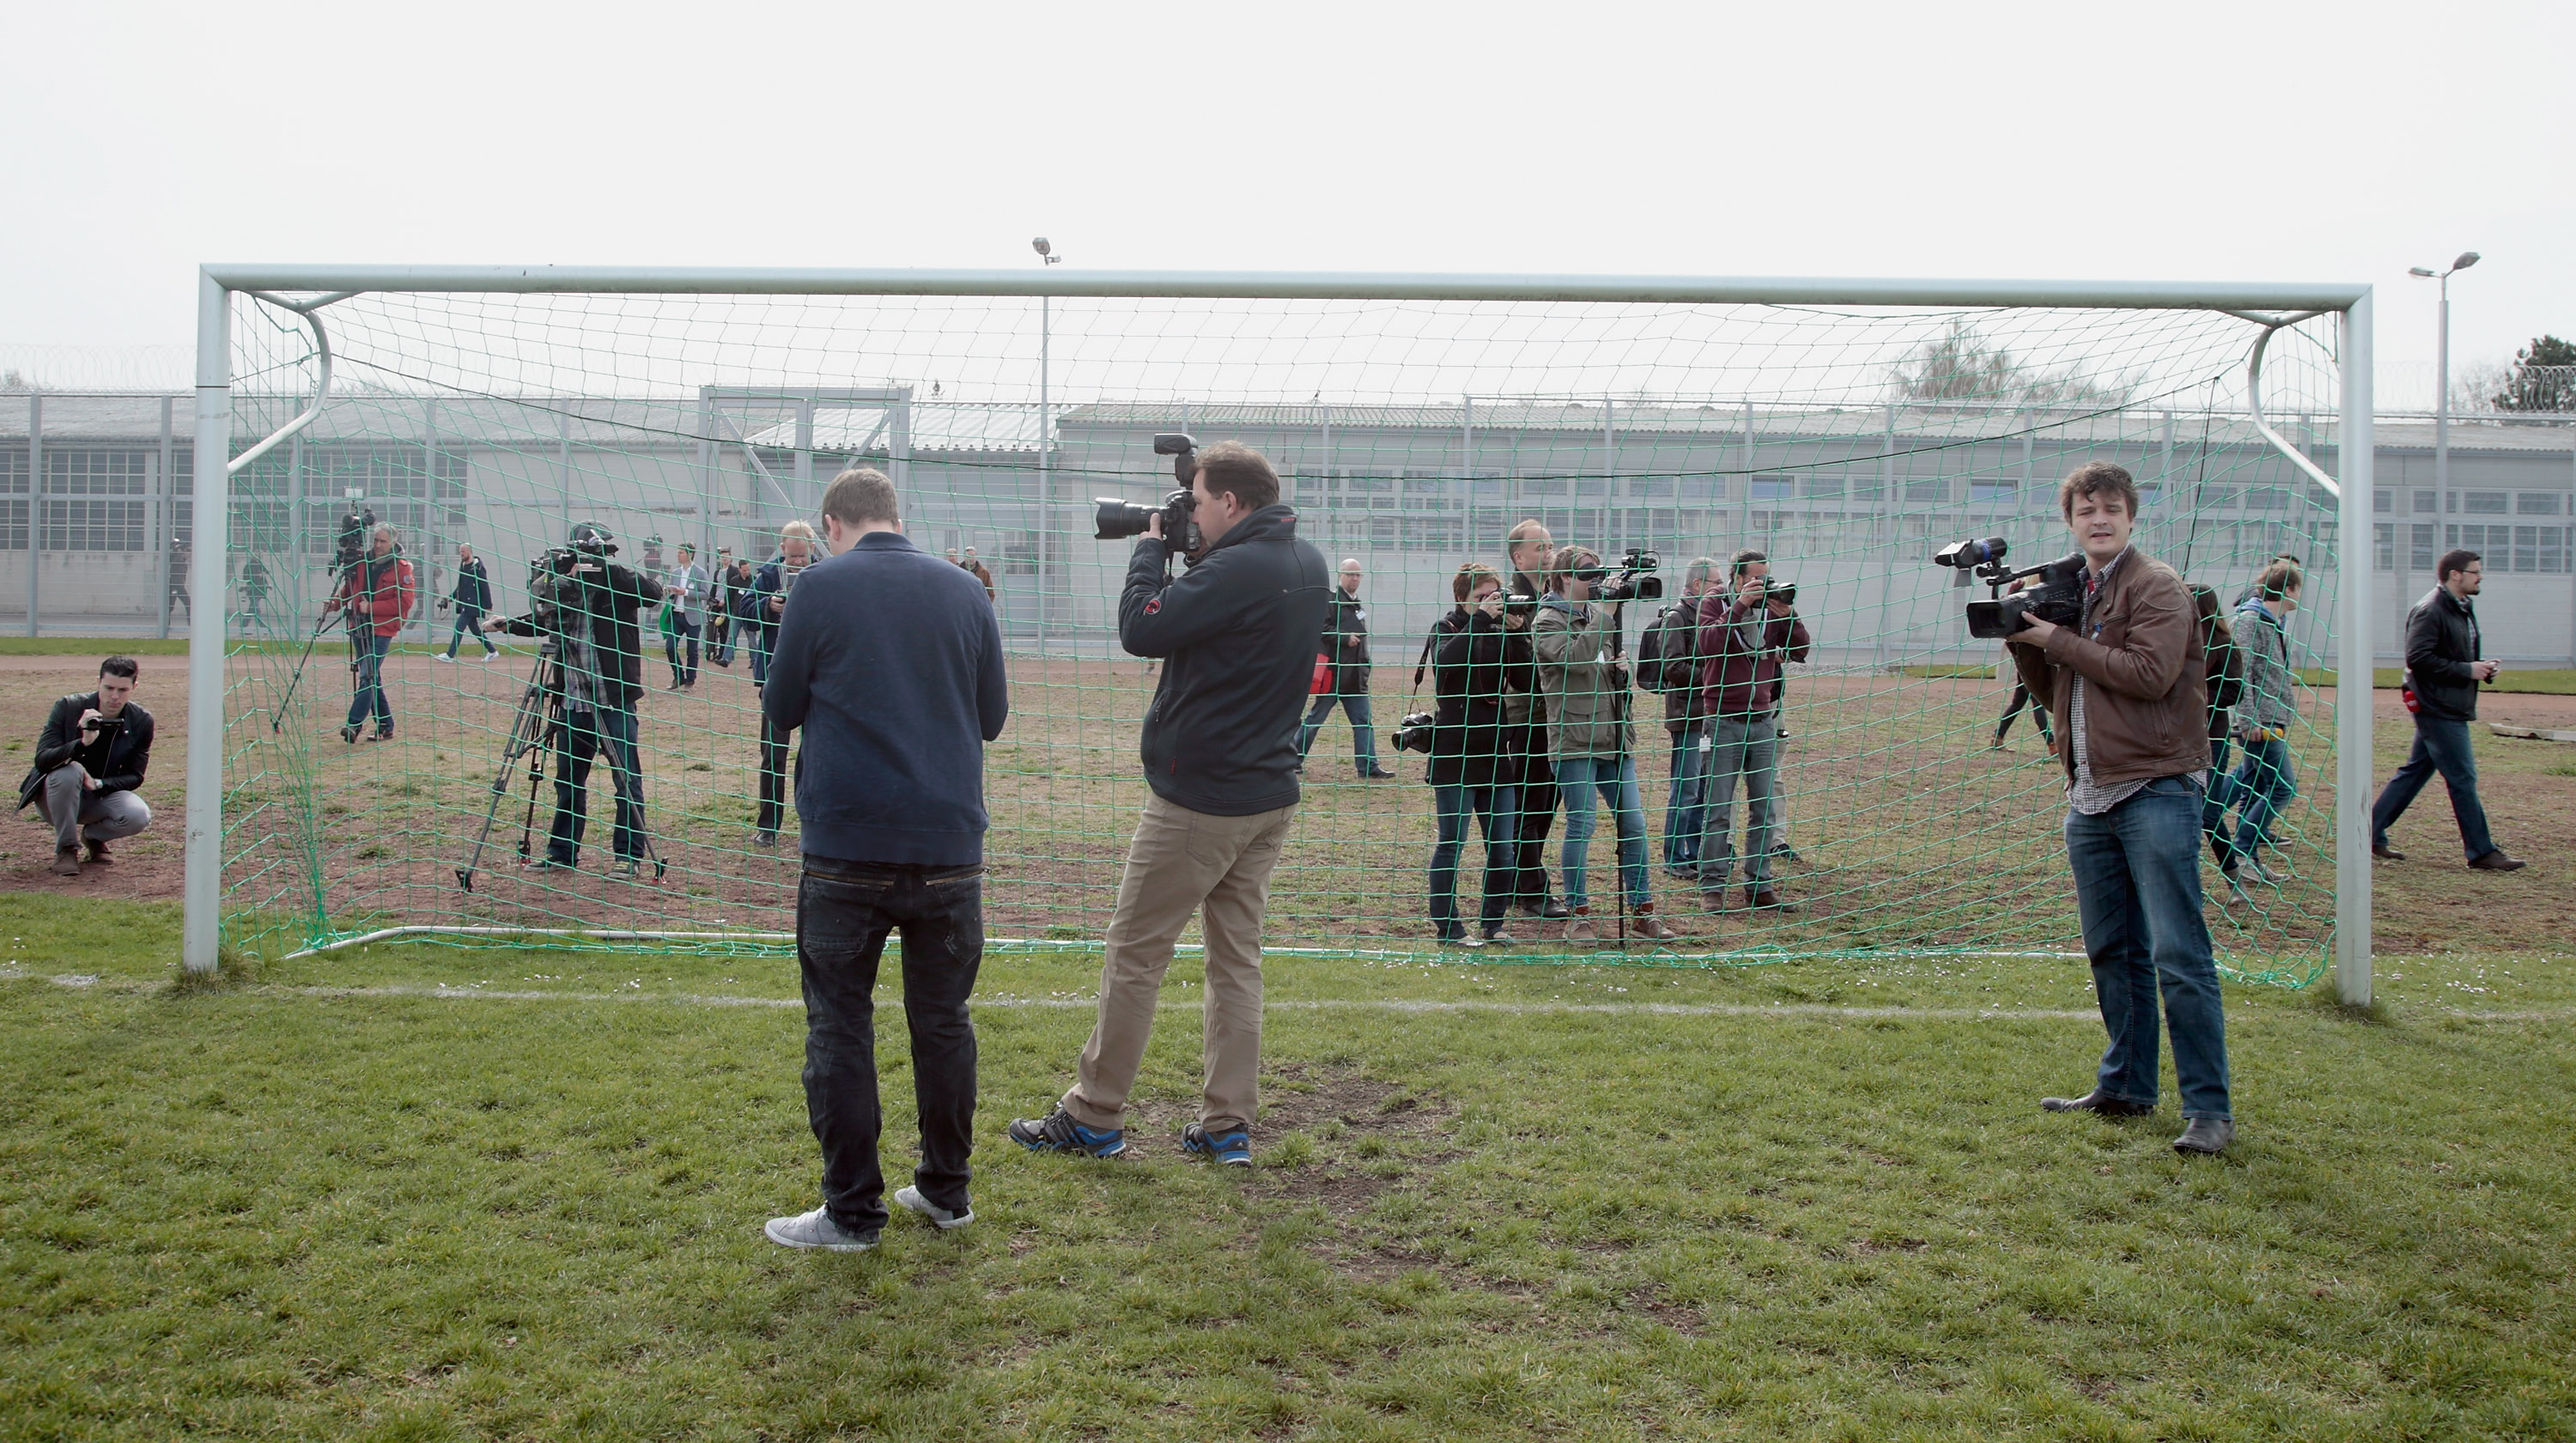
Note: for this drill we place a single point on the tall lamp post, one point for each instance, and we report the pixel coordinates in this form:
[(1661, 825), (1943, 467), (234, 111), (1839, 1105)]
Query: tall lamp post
[(1046, 434), (2442, 365)]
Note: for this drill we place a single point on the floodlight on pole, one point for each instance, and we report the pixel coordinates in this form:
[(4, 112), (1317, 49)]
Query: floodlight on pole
[(1046, 432), (2442, 379)]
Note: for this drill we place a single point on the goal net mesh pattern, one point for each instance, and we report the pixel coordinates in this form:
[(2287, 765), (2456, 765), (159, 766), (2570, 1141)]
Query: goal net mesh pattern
[(1411, 436)]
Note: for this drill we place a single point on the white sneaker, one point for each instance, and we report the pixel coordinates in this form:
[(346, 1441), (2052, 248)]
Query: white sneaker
[(940, 1217), (440, 656), (817, 1230)]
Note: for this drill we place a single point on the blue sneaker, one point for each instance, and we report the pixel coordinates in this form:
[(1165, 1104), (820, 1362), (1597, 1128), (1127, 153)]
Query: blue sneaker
[(1233, 1148), (1058, 1132)]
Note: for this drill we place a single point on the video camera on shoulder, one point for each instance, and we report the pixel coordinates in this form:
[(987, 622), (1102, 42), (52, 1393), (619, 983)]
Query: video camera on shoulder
[(2057, 598), (1636, 580), (1116, 519)]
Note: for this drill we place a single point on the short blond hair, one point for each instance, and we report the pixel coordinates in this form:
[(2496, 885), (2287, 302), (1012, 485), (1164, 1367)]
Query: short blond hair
[(801, 530)]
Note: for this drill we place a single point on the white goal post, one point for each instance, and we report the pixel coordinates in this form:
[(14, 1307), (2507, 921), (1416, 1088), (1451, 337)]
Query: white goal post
[(309, 290)]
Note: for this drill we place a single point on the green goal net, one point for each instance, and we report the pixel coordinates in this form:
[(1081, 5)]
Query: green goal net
[(1846, 444)]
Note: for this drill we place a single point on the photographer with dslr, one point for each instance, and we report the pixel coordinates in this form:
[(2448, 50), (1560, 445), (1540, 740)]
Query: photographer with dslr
[(1220, 754), (90, 757), (2127, 685), (1591, 743), (1747, 630), (1668, 662), (376, 595), (585, 604), (1527, 549), (1475, 753)]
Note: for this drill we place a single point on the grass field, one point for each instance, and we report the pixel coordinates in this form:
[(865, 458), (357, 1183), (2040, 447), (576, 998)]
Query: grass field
[(431, 1193)]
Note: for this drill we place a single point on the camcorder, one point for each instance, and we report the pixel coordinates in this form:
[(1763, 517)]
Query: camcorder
[(106, 726), (1115, 519), (1413, 734), (2057, 597), (558, 575), (354, 526)]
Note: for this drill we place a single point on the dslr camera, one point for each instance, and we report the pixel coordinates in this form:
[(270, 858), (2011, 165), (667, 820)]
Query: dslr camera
[(1115, 519), (1413, 734), (2054, 590)]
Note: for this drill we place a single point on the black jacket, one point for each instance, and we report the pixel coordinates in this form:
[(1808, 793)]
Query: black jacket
[(129, 752), (2441, 641), (473, 586), (1239, 631), (601, 597), (1668, 662), (1474, 661), (891, 671), (1347, 620)]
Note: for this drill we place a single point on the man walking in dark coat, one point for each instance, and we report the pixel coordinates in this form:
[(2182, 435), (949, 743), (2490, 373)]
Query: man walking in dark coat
[(2443, 669), (1345, 643)]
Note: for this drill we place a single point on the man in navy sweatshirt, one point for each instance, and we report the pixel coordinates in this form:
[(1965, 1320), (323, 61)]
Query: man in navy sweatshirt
[(1220, 752), (889, 661)]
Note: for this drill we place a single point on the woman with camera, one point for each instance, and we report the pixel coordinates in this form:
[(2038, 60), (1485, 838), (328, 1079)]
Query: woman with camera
[(1475, 756), (1590, 741)]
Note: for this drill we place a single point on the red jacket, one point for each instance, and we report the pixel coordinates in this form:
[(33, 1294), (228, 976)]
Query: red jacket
[(1740, 656), (379, 589)]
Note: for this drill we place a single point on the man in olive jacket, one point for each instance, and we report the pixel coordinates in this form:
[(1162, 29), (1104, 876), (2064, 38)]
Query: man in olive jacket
[(2126, 684)]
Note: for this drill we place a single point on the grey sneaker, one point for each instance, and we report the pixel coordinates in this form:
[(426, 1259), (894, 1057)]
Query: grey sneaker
[(817, 1230), (940, 1217)]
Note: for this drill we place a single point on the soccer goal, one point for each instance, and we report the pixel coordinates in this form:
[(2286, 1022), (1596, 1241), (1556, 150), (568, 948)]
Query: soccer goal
[(1845, 430)]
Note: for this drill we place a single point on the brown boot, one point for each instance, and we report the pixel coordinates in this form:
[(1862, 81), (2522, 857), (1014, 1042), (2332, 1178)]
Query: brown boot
[(1767, 900), (66, 861), (98, 852), (1652, 928), (1578, 928)]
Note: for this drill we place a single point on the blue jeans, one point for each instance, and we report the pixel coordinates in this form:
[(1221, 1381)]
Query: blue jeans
[(1497, 812), (844, 912), (1355, 705), (469, 622), (2441, 745), (2262, 787), (1746, 748), (1688, 796), (367, 679), (682, 629), (585, 735), (1615, 780), (2137, 889)]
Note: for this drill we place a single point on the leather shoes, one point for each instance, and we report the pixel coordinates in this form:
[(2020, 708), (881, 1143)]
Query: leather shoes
[(1767, 900), (2386, 853), (2097, 1101), (98, 852), (2497, 861), (2206, 1135)]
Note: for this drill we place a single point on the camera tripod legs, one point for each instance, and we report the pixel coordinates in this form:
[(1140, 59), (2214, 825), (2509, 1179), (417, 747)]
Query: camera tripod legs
[(527, 734)]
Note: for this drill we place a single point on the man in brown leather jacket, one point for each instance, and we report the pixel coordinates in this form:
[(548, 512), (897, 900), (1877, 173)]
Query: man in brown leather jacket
[(2127, 688)]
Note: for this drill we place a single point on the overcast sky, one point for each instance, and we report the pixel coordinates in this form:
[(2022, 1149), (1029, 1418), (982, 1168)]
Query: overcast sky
[(2237, 141)]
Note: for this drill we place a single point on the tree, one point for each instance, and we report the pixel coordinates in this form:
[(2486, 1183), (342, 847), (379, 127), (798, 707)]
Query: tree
[(2543, 377), (1960, 364)]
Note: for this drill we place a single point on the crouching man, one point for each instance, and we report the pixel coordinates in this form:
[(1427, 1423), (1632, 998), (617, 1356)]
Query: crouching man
[(2126, 685), (92, 755)]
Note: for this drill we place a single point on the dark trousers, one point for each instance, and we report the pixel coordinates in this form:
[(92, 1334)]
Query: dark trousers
[(1538, 818), (683, 673), (2021, 697), (2441, 745), (1496, 810), (585, 735), (773, 776), (469, 622), (843, 912), (367, 679), (720, 639)]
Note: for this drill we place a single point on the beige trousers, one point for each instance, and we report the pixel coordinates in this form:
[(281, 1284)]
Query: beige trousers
[(1182, 862)]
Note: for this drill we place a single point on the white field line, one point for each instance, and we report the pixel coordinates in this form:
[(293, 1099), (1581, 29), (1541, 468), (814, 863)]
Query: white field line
[(1400, 1005)]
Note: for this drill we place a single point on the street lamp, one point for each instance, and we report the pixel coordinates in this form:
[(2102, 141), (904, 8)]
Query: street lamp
[(2442, 365)]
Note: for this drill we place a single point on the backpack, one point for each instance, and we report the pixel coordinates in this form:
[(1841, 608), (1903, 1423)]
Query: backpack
[(1656, 667), (2224, 669)]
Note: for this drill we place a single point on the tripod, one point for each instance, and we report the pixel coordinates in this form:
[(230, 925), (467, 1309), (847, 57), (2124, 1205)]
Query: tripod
[(538, 728), (340, 574)]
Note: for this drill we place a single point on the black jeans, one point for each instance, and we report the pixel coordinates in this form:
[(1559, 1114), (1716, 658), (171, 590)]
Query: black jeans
[(843, 912), (1537, 819), (773, 776), (587, 734)]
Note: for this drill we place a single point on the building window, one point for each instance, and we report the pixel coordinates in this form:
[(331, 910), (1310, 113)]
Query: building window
[(2419, 547), (2267, 498), (98, 473), (2537, 503), (2485, 503), (13, 472), (2426, 503), (94, 525), (1821, 486), (2384, 537), (2379, 502), (1774, 488), (13, 525)]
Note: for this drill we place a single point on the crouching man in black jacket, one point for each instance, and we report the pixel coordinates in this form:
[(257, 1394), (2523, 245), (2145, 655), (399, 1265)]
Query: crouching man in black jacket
[(1220, 751), (91, 757), (587, 606)]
